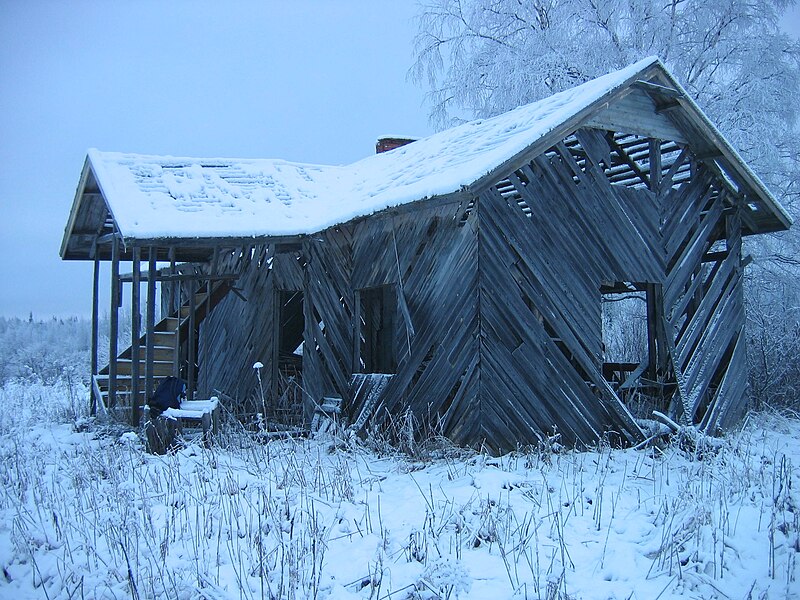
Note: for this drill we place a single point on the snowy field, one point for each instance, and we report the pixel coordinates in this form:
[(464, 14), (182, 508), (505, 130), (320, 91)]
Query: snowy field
[(86, 513)]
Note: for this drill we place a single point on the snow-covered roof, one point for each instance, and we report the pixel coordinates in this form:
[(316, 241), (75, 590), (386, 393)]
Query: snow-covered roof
[(163, 196)]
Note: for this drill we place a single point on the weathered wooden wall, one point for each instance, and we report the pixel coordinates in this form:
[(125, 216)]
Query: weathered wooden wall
[(550, 234), (241, 330), (497, 328), (328, 308), (704, 305), (562, 225), (429, 257), (236, 335)]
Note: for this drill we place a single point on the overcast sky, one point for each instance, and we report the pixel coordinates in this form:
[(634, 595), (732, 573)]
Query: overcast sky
[(310, 81)]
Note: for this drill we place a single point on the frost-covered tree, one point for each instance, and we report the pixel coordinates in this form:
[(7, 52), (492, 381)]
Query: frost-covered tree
[(483, 57)]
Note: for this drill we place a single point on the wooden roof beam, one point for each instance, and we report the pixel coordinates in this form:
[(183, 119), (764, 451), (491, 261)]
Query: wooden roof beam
[(656, 88), (709, 155), (728, 183), (693, 119), (746, 213), (631, 163), (556, 135), (128, 277)]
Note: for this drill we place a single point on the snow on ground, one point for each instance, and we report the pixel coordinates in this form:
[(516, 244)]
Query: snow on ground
[(86, 513)]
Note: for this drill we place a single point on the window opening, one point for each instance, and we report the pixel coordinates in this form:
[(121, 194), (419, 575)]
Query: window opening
[(290, 327), (378, 316), (634, 349), (624, 310)]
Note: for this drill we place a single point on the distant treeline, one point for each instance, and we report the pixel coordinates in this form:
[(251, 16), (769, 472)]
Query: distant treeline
[(45, 350)]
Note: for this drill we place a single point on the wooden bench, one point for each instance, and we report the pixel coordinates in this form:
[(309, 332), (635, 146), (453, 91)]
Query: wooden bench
[(161, 430)]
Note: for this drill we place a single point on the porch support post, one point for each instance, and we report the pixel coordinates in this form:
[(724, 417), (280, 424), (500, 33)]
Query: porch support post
[(657, 349), (114, 324), (172, 284), (151, 319), (210, 282), (178, 308), (136, 326), (214, 269), (95, 319), (192, 344)]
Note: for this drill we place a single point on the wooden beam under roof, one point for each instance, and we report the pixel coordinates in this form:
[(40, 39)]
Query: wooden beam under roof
[(663, 90), (635, 112)]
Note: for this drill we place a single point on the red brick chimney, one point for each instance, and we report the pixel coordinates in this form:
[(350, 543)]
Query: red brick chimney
[(386, 143)]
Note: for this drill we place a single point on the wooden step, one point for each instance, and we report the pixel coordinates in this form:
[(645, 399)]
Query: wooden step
[(161, 339), (160, 368), (164, 338), (199, 299), (121, 393), (167, 324), (160, 354), (124, 382), (123, 402)]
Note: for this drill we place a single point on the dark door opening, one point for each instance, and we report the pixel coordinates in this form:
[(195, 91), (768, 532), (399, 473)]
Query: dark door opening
[(287, 405), (378, 317)]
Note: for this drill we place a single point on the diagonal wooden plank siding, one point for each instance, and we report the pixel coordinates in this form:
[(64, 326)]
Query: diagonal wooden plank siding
[(564, 232), (541, 338), (705, 308), (431, 259), (328, 307), (233, 338)]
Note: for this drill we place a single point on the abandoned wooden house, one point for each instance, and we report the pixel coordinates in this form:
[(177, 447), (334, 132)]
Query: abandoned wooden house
[(460, 277)]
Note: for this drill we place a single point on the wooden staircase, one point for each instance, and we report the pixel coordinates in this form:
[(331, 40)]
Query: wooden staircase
[(170, 336)]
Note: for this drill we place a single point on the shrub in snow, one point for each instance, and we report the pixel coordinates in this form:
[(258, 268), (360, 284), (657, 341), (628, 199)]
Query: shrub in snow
[(44, 351), (443, 578)]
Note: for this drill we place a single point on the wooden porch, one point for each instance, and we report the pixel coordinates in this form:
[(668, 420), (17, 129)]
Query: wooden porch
[(157, 348)]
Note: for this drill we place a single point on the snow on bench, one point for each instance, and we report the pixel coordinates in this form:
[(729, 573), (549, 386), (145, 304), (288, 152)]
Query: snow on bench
[(192, 409), (161, 431)]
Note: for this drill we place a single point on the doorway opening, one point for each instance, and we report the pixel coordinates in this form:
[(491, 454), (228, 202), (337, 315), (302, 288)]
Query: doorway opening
[(288, 389)]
